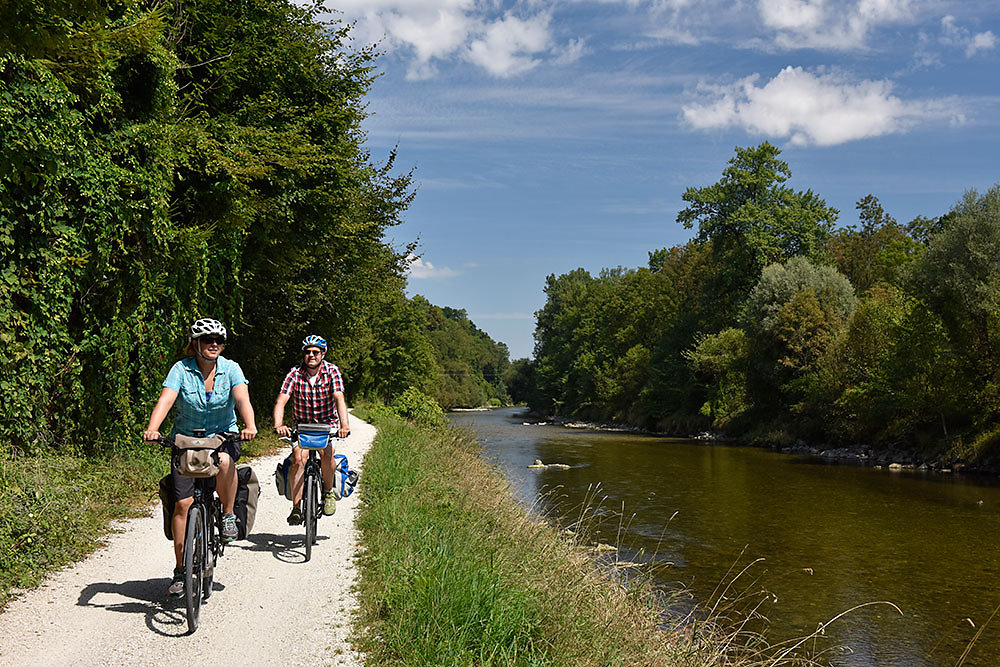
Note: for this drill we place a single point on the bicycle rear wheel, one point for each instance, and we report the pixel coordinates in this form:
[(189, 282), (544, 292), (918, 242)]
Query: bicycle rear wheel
[(309, 500), (194, 563)]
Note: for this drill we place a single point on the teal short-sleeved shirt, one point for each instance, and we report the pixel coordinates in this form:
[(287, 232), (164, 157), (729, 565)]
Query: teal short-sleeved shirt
[(215, 415)]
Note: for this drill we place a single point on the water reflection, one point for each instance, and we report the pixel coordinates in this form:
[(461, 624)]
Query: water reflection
[(831, 536)]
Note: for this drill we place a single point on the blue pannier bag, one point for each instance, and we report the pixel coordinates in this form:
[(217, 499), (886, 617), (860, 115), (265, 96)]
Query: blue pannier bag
[(344, 479), (281, 477)]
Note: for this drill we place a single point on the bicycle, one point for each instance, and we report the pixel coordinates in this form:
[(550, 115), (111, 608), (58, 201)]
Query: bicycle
[(203, 545), (317, 437)]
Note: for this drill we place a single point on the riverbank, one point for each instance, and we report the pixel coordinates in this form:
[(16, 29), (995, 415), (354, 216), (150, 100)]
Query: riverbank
[(454, 571), (896, 458)]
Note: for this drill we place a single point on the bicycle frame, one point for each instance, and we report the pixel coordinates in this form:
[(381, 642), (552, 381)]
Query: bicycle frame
[(312, 489), (203, 543)]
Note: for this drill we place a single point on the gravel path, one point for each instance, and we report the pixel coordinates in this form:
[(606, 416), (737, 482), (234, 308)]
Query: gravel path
[(268, 605)]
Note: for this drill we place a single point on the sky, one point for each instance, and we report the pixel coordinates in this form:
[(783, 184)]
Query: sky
[(546, 136)]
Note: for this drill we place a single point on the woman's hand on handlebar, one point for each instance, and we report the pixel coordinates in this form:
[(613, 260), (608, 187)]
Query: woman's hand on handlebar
[(283, 431), (248, 433), (151, 435)]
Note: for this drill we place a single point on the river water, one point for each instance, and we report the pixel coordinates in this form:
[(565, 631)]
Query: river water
[(831, 536)]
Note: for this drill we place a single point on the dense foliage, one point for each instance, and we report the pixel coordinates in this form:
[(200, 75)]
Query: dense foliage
[(469, 366), (772, 325), (164, 161)]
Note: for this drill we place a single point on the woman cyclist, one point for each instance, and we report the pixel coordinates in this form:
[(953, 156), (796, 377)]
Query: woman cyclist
[(208, 390)]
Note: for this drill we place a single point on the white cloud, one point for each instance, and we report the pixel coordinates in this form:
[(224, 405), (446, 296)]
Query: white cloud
[(984, 41), (571, 52), (505, 46), (420, 270), (432, 31), (797, 15), (823, 108), (831, 25), (955, 35)]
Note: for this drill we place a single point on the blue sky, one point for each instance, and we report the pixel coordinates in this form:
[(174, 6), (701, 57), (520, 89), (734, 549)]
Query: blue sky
[(547, 136)]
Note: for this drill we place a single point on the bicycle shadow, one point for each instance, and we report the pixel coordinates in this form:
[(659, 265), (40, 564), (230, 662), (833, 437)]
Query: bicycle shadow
[(163, 615), (286, 548)]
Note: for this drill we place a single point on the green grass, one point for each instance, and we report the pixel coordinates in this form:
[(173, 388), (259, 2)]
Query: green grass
[(58, 508), (454, 572)]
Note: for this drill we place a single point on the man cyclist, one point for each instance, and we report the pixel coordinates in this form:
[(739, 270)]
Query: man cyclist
[(318, 389)]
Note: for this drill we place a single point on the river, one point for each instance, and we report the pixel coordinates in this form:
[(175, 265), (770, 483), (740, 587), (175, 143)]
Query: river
[(831, 536)]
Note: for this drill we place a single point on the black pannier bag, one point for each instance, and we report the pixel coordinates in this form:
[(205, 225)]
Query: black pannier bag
[(247, 493), (167, 501)]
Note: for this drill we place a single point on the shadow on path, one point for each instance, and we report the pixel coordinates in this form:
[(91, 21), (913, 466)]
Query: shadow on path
[(286, 548), (163, 615)]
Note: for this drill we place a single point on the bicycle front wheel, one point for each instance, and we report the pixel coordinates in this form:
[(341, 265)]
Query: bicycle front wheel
[(194, 564), (309, 501), (212, 551)]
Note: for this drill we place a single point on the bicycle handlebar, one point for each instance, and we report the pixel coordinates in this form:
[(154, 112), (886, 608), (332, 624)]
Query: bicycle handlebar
[(168, 440), (294, 435)]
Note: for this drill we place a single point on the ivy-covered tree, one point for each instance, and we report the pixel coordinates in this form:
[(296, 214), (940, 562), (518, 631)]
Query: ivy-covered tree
[(164, 161)]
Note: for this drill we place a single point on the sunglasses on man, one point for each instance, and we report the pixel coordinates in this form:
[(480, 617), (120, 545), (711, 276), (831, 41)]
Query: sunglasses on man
[(313, 353)]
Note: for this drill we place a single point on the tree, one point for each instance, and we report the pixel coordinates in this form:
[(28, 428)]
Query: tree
[(472, 365), (565, 330), (879, 252), (780, 283), (959, 279), (753, 220), (793, 316), (719, 363), (164, 161)]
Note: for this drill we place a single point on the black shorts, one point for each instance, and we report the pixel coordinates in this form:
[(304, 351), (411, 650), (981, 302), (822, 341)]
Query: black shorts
[(184, 486)]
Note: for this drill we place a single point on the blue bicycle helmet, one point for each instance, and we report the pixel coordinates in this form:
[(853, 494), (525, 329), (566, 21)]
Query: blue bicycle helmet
[(314, 341)]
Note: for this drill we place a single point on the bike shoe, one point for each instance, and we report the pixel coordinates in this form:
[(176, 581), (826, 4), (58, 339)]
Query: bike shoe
[(329, 503), (229, 532), (176, 589), (295, 518)]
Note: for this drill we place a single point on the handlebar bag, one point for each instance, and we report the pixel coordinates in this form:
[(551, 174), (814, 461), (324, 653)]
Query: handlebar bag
[(197, 456), (314, 436)]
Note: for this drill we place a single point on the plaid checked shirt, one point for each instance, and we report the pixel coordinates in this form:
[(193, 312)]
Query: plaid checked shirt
[(314, 403)]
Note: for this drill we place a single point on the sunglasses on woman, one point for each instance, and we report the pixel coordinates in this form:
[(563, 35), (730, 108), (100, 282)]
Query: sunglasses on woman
[(212, 340)]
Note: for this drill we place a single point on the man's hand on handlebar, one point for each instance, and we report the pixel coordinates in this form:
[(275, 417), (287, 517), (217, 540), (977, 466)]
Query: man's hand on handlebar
[(343, 432), (283, 431)]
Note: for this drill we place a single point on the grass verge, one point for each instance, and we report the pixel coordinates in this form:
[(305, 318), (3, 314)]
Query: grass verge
[(454, 572), (56, 509)]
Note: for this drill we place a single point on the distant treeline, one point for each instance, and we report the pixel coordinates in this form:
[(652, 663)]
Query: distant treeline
[(468, 366), (772, 325), (163, 161)]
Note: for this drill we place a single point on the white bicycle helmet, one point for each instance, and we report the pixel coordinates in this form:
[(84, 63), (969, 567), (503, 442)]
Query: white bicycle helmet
[(314, 341), (206, 326)]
